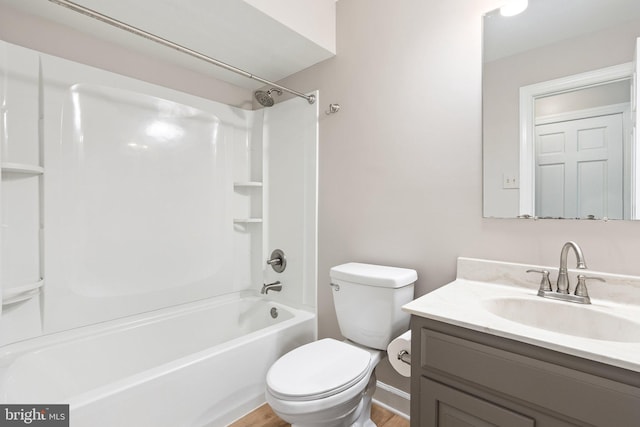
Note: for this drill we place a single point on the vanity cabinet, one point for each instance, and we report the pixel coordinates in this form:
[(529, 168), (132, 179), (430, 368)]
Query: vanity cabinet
[(462, 377)]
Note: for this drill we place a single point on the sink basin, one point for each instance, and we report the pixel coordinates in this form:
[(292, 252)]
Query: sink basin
[(499, 298), (565, 318)]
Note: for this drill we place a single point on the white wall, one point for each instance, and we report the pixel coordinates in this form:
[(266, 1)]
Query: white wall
[(314, 19), (137, 204), (290, 198), (591, 97), (152, 197)]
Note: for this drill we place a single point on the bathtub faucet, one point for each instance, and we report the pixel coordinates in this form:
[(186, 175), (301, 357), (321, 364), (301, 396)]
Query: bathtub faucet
[(275, 286)]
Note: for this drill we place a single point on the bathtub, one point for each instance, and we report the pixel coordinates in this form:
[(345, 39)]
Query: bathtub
[(197, 364)]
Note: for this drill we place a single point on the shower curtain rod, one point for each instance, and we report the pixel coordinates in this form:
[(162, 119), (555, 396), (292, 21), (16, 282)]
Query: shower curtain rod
[(123, 26)]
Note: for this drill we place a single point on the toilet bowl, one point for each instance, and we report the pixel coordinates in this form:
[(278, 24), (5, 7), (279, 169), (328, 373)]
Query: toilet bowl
[(330, 383), (325, 383)]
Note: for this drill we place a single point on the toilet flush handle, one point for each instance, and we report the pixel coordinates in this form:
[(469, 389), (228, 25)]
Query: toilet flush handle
[(335, 287)]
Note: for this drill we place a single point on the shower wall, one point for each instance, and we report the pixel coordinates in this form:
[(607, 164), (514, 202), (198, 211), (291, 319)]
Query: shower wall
[(290, 196), (120, 197)]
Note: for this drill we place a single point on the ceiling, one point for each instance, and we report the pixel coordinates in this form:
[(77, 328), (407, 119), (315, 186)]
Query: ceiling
[(231, 31), (549, 21)]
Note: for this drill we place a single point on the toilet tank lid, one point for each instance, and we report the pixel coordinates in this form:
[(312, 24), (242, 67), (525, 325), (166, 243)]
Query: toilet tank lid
[(374, 275)]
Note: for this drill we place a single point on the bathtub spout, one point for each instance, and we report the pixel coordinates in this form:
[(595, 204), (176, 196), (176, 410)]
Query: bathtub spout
[(275, 286)]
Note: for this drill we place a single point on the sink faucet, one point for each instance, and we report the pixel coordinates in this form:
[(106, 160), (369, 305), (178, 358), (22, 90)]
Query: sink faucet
[(581, 295), (275, 286), (563, 278)]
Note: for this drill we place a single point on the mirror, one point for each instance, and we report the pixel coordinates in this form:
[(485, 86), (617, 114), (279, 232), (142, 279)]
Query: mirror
[(558, 111)]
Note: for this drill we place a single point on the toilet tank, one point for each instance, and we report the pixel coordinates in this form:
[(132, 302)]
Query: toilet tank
[(368, 300)]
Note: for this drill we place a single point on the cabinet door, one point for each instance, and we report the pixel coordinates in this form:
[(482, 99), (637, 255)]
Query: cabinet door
[(443, 406)]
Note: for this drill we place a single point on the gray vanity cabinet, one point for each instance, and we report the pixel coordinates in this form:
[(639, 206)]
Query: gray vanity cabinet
[(463, 378), (445, 406)]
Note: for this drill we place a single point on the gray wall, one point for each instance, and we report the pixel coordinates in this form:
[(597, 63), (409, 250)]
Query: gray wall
[(401, 163)]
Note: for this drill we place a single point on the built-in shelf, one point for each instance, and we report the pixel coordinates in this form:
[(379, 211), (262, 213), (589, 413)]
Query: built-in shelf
[(247, 184), (21, 293), (22, 168), (247, 220), (14, 294)]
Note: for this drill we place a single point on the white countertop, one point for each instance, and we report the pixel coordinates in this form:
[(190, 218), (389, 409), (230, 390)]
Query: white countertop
[(462, 303)]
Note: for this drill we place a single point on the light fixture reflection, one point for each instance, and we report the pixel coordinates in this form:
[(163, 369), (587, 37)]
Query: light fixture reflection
[(514, 7), (77, 114), (137, 146), (164, 131)]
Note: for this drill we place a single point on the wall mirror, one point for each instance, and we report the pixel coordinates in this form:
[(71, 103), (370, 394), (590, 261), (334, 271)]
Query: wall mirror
[(559, 111)]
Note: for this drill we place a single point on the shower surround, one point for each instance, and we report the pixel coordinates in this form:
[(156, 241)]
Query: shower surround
[(121, 198)]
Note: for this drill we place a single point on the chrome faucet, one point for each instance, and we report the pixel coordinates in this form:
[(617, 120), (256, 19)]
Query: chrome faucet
[(563, 278), (562, 285), (275, 286)]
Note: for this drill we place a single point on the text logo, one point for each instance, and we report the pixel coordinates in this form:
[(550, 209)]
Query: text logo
[(34, 415)]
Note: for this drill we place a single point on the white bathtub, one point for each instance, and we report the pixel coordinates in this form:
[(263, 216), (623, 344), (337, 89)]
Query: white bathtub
[(198, 364)]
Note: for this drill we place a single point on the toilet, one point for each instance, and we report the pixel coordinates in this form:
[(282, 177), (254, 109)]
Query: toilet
[(329, 382)]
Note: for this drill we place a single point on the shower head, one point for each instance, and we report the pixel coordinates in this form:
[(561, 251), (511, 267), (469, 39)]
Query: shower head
[(264, 98)]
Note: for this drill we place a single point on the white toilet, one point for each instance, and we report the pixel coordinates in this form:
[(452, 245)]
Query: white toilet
[(330, 383)]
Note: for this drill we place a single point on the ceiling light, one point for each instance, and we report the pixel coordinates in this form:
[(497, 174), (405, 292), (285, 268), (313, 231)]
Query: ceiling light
[(514, 7)]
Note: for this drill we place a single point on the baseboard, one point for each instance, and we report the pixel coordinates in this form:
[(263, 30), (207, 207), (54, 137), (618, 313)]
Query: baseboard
[(392, 399)]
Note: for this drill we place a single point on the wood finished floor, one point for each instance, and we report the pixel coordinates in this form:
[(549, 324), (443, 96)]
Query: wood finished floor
[(264, 417)]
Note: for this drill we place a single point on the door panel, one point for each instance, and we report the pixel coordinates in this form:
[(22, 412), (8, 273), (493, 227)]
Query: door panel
[(551, 182), (579, 168), (443, 406)]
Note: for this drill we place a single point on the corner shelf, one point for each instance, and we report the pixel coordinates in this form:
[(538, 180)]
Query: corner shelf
[(21, 293), (15, 294), (248, 185), (247, 220), (256, 184), (22, 168)]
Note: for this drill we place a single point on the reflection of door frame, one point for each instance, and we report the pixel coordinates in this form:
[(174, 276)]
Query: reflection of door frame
[(528, 95)]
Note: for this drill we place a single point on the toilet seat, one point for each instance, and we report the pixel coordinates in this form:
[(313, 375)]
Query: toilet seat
[(317, 370)]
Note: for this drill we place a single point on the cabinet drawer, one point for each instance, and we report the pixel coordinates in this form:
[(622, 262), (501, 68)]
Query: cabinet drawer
[(579, 395), (443, 406)]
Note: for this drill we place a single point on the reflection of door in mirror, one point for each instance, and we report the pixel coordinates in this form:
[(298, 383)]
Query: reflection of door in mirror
[(579, 168)]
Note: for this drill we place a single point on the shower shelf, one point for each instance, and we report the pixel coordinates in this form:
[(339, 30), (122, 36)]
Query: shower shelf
[(247, 220), (22, 168), (247, 184), (21, 293)]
